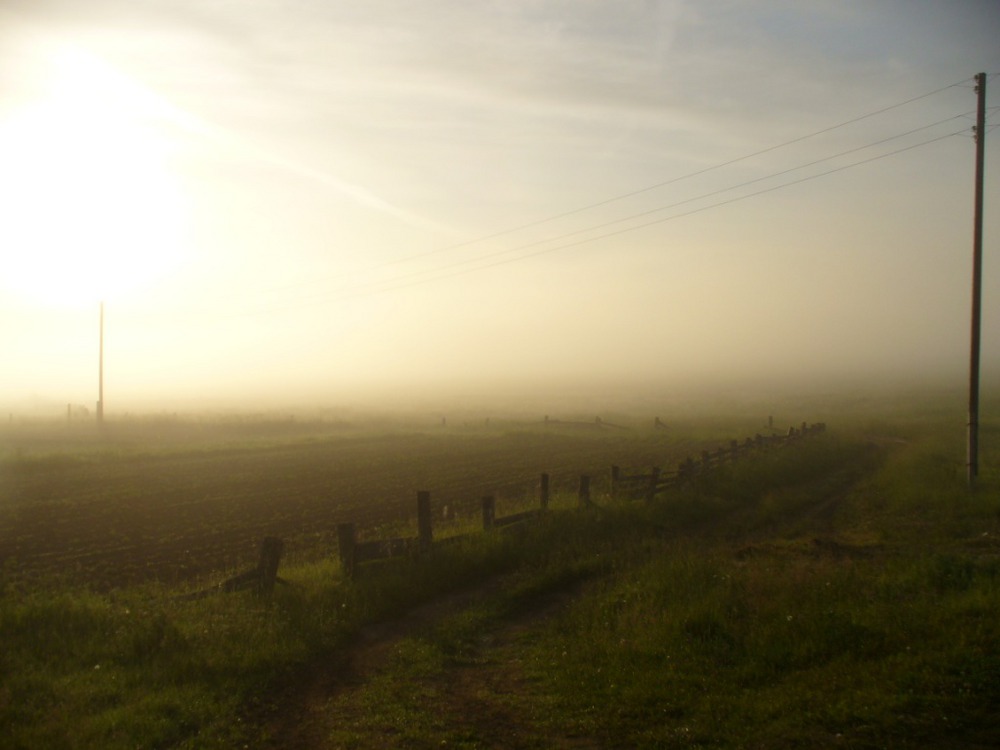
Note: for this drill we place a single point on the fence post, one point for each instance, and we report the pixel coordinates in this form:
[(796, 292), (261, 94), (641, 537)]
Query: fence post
[(734, 449), (653, 480), (424, 531), (584, 491), (489, 512), (347, 542), (543, 491), (270, 556), (615, 473)]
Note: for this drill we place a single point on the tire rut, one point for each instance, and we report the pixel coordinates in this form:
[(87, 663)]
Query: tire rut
[(474, 692)]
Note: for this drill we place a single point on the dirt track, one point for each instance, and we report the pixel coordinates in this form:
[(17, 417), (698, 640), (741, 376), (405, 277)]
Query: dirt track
[(483, 694)]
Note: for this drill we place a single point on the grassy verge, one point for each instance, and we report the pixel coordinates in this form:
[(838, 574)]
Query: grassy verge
[(842, 596)]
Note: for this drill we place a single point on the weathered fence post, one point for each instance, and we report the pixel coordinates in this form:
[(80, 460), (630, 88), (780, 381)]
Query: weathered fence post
[(424, 531), (267, 568), (347, 542), (489, 512), (615, 473), (734, 449), (654, 479), (584, 491), (543, 491)]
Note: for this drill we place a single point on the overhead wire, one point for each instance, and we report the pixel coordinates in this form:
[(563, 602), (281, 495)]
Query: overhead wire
[(640, 191), (349, 289), (685, 201), (409, 280), (676, 216), (700, 209), (689, 175)]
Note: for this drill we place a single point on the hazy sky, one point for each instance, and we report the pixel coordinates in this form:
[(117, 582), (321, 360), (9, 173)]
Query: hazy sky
[(296, 199)]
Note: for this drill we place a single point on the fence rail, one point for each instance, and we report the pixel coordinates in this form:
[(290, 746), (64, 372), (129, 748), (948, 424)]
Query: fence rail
[(651, 484), (623, 486)]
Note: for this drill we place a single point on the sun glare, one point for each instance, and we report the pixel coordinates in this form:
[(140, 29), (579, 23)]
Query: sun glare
[(91, 207)]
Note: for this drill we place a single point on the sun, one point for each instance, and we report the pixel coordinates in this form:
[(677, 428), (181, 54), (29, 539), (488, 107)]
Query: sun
[(92, 209)]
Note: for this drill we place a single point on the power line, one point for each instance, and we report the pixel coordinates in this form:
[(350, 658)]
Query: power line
[(640, 191), (685, 201), (672, 217), (687, 176), (348, 289), (379, 287)]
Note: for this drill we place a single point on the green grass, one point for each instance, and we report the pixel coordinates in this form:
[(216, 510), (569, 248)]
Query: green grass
[(787, 649), (841, 593), (747, 620)]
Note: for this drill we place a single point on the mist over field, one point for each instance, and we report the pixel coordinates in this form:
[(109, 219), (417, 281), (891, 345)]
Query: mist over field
[(626, 406)]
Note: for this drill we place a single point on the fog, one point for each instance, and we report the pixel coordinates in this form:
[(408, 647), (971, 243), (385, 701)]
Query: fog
[(528, 206)]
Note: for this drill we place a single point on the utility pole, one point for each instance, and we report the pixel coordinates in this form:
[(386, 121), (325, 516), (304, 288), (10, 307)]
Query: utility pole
[(100, 375), (977, 282)]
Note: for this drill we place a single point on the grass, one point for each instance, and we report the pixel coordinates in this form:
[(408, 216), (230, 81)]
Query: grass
[(845, 593), (785, 649), (749, 620)]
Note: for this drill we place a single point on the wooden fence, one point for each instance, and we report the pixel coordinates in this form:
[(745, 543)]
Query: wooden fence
[(623, 486), (649, 485)]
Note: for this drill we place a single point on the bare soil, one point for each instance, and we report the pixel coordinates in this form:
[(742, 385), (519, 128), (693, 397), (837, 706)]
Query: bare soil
[(118, 518)]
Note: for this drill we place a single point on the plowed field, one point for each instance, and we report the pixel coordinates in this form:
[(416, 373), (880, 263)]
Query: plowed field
[(113, 518)]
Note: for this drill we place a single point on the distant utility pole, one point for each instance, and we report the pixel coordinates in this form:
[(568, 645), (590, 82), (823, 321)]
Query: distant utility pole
[(977, 282), (100, 373)]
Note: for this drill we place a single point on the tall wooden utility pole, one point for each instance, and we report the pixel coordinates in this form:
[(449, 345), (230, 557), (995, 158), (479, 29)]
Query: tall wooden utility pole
[(100, 374), (977, 283)]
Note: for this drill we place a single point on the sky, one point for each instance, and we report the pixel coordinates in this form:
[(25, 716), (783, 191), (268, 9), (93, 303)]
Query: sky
[(314, 200)]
